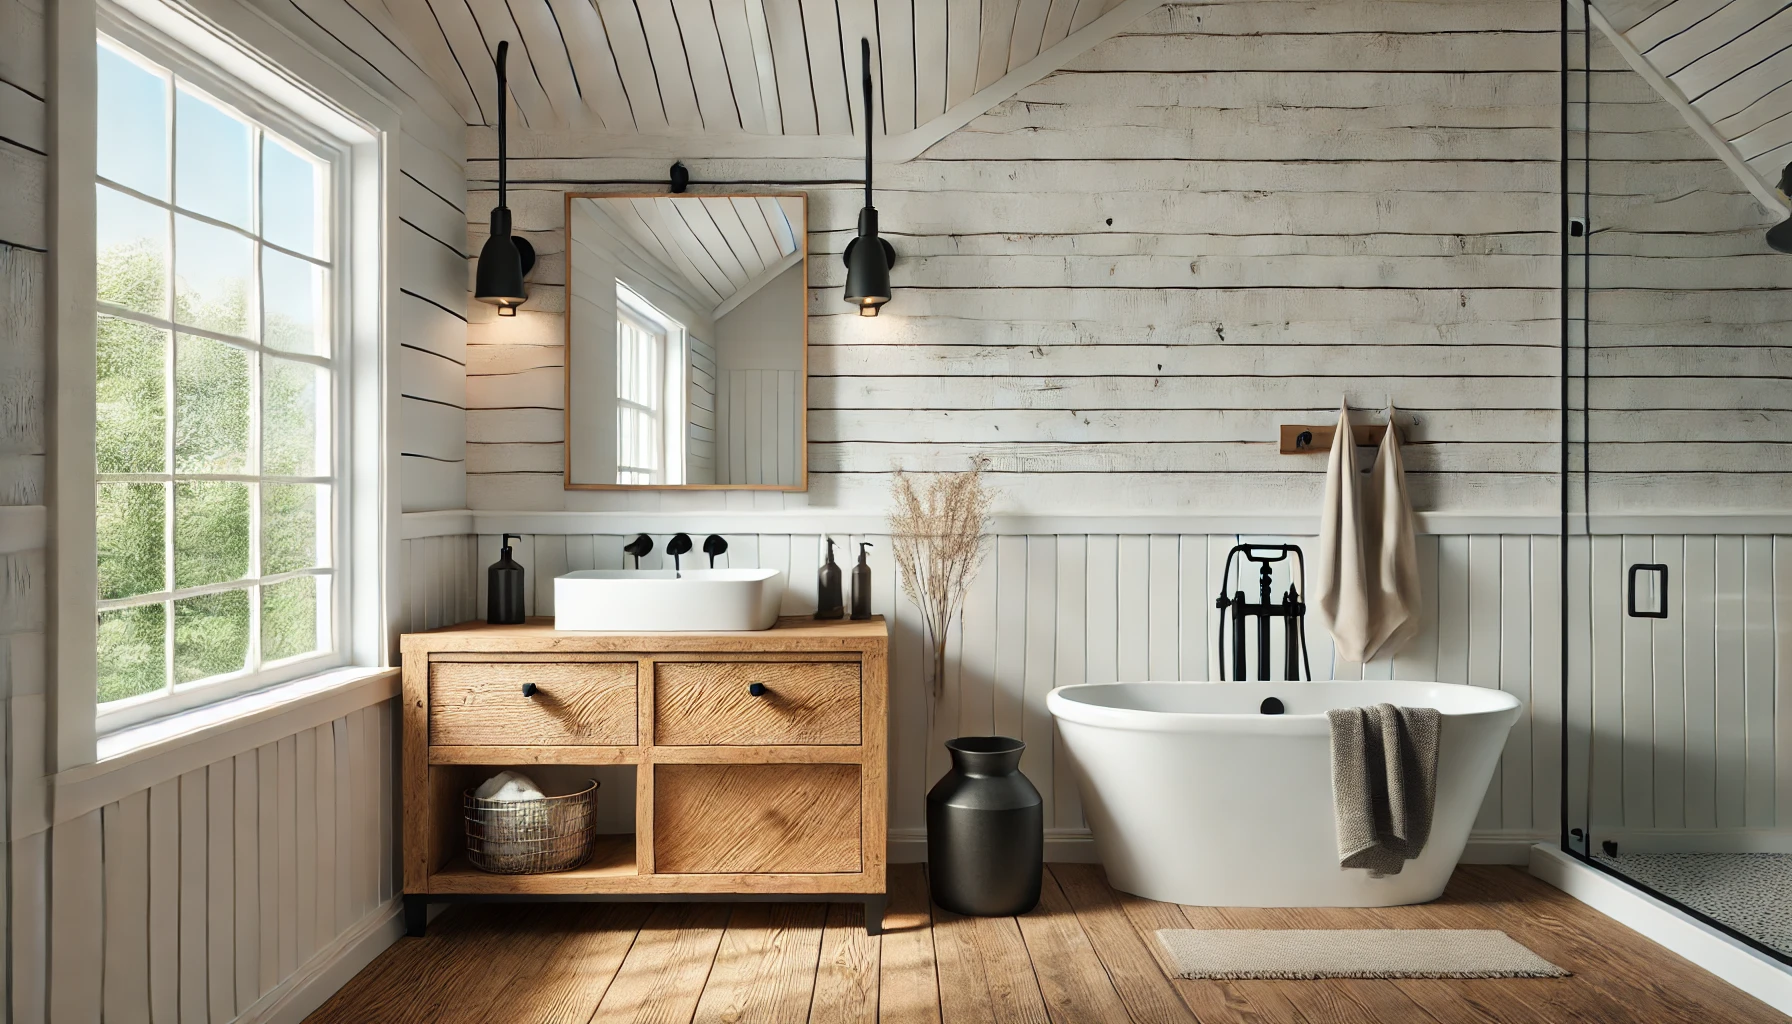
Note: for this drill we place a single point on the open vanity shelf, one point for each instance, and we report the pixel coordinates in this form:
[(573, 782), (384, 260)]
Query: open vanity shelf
[(758, 760)]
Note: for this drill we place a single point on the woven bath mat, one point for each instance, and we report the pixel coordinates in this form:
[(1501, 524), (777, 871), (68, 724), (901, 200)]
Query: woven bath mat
[(1351, 953)]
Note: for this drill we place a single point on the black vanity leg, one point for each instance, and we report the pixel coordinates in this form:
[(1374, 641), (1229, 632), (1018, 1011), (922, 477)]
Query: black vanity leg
[(416, 914), (874, 913)]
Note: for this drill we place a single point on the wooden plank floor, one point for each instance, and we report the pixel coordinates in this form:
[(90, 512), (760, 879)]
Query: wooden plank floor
[(1085, 956)]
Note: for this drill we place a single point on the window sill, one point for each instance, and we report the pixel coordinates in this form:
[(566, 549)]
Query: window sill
[(135, 758)]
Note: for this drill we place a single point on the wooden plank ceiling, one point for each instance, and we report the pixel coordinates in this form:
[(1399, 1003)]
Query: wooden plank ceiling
[(719, 67), (722, 249), (1730, 59)]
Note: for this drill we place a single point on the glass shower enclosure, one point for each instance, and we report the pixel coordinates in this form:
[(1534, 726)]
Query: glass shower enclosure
[(1677, 475)]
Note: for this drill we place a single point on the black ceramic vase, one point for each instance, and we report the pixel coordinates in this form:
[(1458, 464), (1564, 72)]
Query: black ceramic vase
[(985, 831)]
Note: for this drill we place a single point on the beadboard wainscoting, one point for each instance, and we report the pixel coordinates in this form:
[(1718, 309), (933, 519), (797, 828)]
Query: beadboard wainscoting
[(1052, 609), (1687, 726), (247, 889), (1683, 740)]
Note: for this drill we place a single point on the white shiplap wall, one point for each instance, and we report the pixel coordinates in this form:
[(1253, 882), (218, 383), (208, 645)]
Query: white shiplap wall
[(1117, 284), (23, 565), (232, 889)]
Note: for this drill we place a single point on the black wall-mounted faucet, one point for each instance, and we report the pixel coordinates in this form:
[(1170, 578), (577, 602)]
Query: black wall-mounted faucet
[(641, 545), (678, 545), (714, 545)]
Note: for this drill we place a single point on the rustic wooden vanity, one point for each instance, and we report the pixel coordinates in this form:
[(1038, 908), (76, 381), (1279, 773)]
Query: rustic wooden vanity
[(759, 759)]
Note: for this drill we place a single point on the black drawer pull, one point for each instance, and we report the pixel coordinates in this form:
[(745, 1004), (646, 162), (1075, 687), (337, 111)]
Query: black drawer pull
[(529, 690), (756, 689)]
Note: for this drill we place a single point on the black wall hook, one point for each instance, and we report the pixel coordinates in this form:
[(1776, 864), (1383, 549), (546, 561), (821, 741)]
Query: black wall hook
[(681, 177)]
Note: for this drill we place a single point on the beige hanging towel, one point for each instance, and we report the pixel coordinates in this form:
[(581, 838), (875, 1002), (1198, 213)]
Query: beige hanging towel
[(1391, 544), (1366, 591), (1341, 587)]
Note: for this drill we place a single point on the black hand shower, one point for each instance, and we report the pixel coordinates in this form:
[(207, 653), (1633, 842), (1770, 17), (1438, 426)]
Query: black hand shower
[(1293, 608)]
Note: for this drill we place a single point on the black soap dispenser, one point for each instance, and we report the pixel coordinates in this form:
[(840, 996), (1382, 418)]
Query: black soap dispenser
[(830, 604), (504, 588), (861, 585)]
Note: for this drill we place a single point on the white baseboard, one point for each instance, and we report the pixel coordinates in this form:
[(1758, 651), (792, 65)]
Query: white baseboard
[(1077, 846), (1735, 962), (319, 978), (1721, 840)]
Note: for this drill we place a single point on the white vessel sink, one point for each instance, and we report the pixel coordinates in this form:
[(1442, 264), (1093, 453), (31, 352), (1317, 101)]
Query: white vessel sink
[(663, 600)]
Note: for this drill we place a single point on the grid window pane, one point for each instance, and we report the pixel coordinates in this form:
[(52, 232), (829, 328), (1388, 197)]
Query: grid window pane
[(289, 617), (133, 651), (133, 124), (211, 406), (289, 518), (293, 303), (294, 407), (130, 415), (131, 245), (212, 150), (292, 195), (211, 532), (191, 423), (211, 635), (214, 269), (131, 520)]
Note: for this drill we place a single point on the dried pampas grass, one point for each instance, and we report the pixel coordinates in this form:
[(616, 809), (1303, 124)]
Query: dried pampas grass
[(937, 532)]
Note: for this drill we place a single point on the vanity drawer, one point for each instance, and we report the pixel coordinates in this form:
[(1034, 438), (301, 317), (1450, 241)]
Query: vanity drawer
[(483, 704), (756, 818), (713, 703)]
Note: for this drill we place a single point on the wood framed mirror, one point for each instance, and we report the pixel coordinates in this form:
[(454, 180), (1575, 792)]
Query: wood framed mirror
[(687, 341)]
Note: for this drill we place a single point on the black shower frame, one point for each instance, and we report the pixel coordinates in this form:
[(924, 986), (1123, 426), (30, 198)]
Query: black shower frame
[(1567, 317)]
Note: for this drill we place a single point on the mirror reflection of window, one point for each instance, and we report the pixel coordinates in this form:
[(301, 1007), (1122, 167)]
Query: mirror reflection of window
[(649, 392), (686, 341)]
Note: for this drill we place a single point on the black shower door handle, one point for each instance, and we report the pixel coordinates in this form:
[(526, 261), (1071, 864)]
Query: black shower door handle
[(1637, 570)]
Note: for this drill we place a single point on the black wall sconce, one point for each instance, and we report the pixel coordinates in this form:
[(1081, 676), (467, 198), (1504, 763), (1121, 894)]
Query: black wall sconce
[(868, 257), (1780, 235), (505, 258)]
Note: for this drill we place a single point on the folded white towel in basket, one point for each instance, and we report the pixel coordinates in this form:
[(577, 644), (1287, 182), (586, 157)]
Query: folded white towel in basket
[(509, 786)]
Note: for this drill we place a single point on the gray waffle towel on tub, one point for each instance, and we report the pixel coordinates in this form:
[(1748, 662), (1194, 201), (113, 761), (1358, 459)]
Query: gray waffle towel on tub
[(1384, 784)]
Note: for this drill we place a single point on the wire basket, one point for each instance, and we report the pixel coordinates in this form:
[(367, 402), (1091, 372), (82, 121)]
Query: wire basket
[(531, 837)]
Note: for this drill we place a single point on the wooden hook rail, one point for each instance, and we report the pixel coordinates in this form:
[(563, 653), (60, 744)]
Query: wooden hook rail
[(1304, 439)]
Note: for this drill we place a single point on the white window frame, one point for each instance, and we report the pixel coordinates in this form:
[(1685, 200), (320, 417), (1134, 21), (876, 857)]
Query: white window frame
[(228, 57), (164, 56), (673, 414)]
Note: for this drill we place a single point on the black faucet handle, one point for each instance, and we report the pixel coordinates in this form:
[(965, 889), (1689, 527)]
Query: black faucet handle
[(641, 545), (714, 545), (678, 545)]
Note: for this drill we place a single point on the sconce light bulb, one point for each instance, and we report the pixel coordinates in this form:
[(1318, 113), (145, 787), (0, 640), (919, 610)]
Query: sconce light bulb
[(506, 310), (867, 310)]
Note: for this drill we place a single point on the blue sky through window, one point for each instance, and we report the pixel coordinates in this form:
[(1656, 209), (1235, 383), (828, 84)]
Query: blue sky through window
[(214, 176), (133, 124), (211, 160)]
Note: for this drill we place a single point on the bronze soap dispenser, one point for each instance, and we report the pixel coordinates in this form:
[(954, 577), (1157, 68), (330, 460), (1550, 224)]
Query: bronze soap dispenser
[(861, 585), (830, 604)]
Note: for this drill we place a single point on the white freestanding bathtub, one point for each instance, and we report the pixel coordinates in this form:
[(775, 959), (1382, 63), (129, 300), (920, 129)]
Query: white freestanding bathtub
[(1197, 797)]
